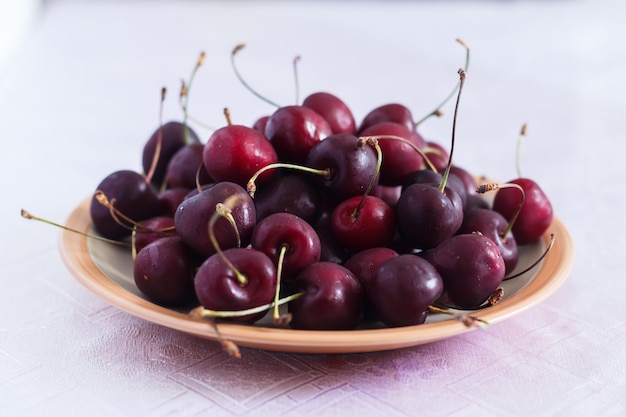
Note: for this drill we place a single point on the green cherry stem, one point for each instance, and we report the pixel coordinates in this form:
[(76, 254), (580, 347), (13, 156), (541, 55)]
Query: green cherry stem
[(492, 187), (245, 84), (437, 112), (251, 186), (373, 142), (220, 211), (446, 173), (201, 312)]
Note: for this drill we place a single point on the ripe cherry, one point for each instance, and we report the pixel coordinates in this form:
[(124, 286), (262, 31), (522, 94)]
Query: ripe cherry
[(351, 165), (194, 214), (493, 225), (535, 215), (403, 288), (235, 152), (393, 112), (288, 241), (294, 130), (332, 298), (236, 279), (333, 110), (362, 223), (471, 267), (364, 265), (130, 195), (293, 194), (164, 271), (185, 169), (173, 136)]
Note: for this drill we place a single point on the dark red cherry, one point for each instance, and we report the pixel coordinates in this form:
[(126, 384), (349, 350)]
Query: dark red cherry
[(294, 130), (351, 165), (174, 135), (373, 225), (163, 271), (364, 266), (403, 288), (493, 225), (399, 158), (153, 229), (260, 123), (536, 214), (194, 214), (220, 288), (393, 112), (130, 195), (471, 267), (171, 198), (437, 155), (289, 194), (235, 153), (334, 110), (298, 238), (427, 216), (332, 299), (185, 169)]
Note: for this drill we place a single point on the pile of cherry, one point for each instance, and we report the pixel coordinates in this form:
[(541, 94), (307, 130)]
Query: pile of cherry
[(341, 223)]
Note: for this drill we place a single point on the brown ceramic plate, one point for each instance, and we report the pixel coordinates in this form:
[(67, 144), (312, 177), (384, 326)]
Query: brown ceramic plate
[(106, 270)]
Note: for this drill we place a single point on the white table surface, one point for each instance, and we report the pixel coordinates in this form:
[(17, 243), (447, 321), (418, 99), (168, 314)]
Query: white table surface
[(82, 95)]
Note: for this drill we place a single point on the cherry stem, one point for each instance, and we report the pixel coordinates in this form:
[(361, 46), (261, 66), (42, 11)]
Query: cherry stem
[(220, 209), (184, 94), (296, 59), (117, 215), (491, 187), (201, 312), (279, 319), (408, 142), (133, 237), (466, 319), (228, 346), (245, 84), (534, 264), (379, 161), (518, 153), (157, 149), (27, 215), (446, 173), (227, 213), (229, 121), (437, 112), (251, 186)]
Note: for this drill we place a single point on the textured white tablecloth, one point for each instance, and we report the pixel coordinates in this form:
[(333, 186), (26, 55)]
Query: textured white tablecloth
[(82, 96)]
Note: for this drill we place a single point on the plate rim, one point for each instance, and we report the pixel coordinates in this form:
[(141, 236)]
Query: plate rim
[(74, 251)]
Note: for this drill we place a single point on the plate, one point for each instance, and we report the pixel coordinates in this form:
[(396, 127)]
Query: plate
[(106, 270)]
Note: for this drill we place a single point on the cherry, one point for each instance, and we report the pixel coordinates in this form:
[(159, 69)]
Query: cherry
[(364, 265), (153, 229), (290, 194), (399, 157), (173, 135), (403, 288), (467, 179), (294, 130), (331, 249), (427, 216), (171, 198), (362, 223), (535, 215), (471, 267), (234, 153), (332, 298), (287, 236), (393, 112), (130, 195), (493, 225), (194, 214), (437, 155), (351, 165), (334, 110), (260, 123), (185, 169), (236, 279), (389, 195), (164, 270)]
